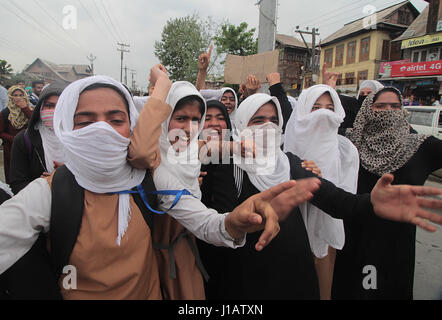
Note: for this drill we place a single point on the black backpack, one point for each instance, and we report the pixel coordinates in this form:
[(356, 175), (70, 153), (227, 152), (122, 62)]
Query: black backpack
[(36, 274)]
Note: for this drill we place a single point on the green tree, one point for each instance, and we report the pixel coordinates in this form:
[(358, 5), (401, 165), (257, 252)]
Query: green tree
[(5, 70), (182, 41), (236, 40)]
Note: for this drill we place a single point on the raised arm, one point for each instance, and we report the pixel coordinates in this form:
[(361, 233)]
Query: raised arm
[(203, 65), (276, 90), (143, 149)]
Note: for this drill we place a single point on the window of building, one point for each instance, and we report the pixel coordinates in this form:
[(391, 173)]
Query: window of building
[(350, 78), (415, 56), (328, 58), (351, 52), (423, 56), (362, 75), (364, 53), (339, 61), (386, 50), (395, 51), (339, 80)]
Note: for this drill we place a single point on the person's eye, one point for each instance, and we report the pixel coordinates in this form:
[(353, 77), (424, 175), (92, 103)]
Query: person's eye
[(83, 123)]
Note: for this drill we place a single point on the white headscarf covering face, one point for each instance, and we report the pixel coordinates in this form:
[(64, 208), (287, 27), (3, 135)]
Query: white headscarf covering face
[(270, 166), (314, 136), (179, 170), (372, 84), (96, 154)]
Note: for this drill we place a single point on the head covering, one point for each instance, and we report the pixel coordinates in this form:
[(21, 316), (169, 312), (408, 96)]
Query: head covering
[(179, 170), (53, 150), (232, 114), (372, 84), (292, 101), (271, 166), (16, 116), (383, 137), (96, 154), (314, 136)]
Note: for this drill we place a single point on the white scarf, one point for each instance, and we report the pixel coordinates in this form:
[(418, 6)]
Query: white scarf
[(53, 149), (96, 154), (314, 136), (372, 84), (271, 166), (179, 171)]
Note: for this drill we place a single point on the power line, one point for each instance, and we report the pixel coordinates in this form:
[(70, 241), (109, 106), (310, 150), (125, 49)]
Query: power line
[(93, 20), (320, 17), (106, 4), (32, 26), (110, 19), (57, 23), (108, 28)]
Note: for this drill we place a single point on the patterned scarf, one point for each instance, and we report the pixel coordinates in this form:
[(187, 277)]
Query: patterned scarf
[(383, 138), (16, 117)]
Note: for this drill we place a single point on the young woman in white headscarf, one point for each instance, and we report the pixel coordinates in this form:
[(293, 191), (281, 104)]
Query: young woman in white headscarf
[(36, 150), (94, 121), (286, 266), (312, 133), (381, 135), (179, 169)]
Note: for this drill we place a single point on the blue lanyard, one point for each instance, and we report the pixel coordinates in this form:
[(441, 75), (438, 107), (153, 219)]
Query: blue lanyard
[(142, 193)]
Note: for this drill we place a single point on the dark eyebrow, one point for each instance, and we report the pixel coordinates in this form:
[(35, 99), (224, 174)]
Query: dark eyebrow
[(89, 113)]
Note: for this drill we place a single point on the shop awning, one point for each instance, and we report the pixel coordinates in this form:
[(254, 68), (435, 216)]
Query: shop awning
[(438, 78)]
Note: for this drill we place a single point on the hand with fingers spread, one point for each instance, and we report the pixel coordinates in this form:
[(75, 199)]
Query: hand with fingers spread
[(265, 209), (402, 203), (329, 78), (301, 192), (311, 166)]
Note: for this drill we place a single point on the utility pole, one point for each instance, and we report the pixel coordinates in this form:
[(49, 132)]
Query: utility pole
[(133, 72), (123, 50), (125, 75), (91, 59), (267, 29), (312, 51), (267, 25)]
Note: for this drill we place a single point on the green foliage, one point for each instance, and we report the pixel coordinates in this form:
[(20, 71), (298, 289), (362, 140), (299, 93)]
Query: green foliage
[(236, 40), (182, 41)]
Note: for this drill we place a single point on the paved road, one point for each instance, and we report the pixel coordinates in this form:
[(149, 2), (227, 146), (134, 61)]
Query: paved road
[(428, 272)]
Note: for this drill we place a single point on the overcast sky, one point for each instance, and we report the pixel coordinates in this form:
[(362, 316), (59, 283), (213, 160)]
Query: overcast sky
[(34, 28)]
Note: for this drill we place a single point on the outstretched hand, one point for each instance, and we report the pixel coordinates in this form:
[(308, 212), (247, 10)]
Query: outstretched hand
[(265, 209), (402, 203)]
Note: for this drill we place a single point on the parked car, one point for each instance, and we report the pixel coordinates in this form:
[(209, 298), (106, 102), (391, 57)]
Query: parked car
[(427, 120)]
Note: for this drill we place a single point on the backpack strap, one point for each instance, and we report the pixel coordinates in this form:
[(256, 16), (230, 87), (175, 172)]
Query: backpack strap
[(66, 215), (148, 186)]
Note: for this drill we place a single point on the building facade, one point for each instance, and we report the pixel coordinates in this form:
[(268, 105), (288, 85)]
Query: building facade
[(357, 50), (51, 72), (294, 58), (420, 71)]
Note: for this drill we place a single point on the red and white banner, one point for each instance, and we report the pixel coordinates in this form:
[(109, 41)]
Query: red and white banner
[(417, 69)]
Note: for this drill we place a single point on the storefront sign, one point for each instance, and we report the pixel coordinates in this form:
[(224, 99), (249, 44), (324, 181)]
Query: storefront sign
[(421, 41), (417, 69), (385, 67)]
